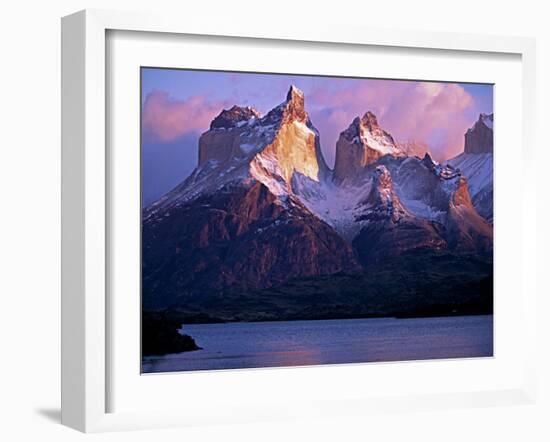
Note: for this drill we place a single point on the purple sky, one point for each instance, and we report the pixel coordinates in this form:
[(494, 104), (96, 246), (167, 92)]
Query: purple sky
[(178, 105)]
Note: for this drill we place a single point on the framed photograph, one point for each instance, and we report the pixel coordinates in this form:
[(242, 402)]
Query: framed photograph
[(270, 223), (307, 234)]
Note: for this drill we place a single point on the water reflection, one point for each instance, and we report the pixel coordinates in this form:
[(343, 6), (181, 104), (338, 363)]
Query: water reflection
[(293, 343)]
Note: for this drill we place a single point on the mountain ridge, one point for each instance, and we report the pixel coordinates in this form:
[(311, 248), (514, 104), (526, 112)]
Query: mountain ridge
[(262, 207), (476, 163)]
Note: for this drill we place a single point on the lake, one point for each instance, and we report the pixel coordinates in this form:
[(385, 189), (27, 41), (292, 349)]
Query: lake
[(339, 341)]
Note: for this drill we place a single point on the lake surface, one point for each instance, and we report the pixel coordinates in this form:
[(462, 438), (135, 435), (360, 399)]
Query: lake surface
[(295, 343)]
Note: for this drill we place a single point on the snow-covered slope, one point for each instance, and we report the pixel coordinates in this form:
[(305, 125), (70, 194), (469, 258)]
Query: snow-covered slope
[(335, 204), (281, 151), (422, 188), (361, 144), (476, 164), (478, 168)]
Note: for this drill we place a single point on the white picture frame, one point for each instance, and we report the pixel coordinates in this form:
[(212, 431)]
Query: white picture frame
[(85, 210)]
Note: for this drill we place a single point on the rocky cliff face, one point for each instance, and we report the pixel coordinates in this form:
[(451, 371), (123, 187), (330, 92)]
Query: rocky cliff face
[(479, 138), (262, 208), (476, 164), (388, 228), (235, 222), (294, 149), (234, 117), (241, 144), (382, 203), (362, 143), (223, 140), (432, 210), (238, 238)]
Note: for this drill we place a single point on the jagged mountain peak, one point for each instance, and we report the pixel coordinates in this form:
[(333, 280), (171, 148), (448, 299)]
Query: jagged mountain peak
[(294, 106), (382, 202), (361, 144), (476, 163), (261, 208), (370, 121), (484, 121), (241, 145), (294, 93), (487, 120), (479, 137), (229, 118), (295, 148), (383, 140), (282, 152)]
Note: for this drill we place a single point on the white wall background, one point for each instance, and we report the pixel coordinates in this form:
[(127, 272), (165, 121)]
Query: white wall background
[(30, 219)]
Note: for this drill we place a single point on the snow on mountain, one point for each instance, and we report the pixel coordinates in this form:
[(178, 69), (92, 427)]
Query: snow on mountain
[(478, 168), (476, 163), (242, 146), (237, 116), (362, 143), (388, 228), (292, 151), (262, 207), (400, 189), (281, 150), (334, 204), (235, 223), (295, 148), (382, 201), (373, 136)]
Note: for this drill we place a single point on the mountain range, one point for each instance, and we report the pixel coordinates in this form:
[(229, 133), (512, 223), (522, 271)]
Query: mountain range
[(262, 221)]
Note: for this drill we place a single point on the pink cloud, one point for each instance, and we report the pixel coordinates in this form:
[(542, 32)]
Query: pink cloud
[(424, 112), (165, 118), (431, 113)]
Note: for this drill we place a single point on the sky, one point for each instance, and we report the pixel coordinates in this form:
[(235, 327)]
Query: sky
[(178, 105)]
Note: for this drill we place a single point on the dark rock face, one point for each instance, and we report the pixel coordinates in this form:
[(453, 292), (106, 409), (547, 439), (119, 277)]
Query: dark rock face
[(445, 190), (223, 139), (483, 203), (231, 117), (391, 229), (476, 164), (361, 144), (240, 237), (479, 138), (160, 336), (381, 240), (424, 181), (419, 282), (218, 146), (465, 229), (382, 202)]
